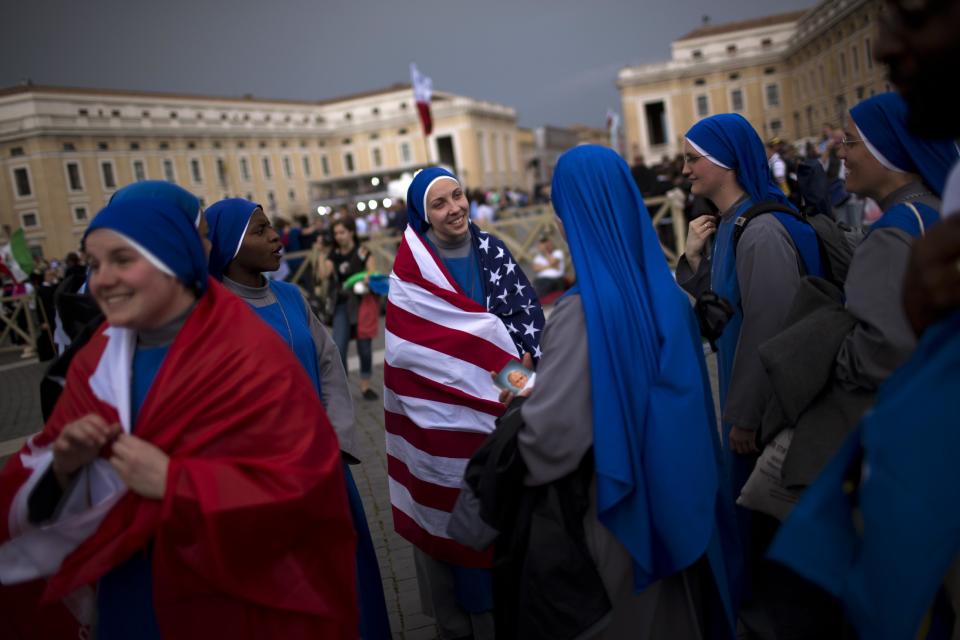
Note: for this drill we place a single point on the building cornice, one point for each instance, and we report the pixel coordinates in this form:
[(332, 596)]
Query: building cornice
[(680, 69)]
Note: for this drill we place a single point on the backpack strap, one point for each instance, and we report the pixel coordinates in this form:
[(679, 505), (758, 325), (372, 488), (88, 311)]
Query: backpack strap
[(804, 236)]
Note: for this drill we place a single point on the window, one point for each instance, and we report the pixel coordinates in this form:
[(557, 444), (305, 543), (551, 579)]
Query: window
[(134, 146), (74, 177), (80, 214), (196, 171), (377, 156), (191, 145), (108, 174), (855, 60), (703, 106), (696, 54), (484, 154), (29, 220), (245, 170), (145, 114), (736, 99), (267, 168), (656, 118), (69, 146), (139, 170), (734, 76), (263, 145), (860, 93), (21, 178), (164, 146), (16, 151), (241, 145), (869, 52), (843, 64), (405, 156), (168, 173), (287, 167), (103, 146), (306, 166), (773, 95), (82, 112), (731, 49), (221, 172), (770, 71), (775, 126), (325, 165), (766, 42), (348, 165), (271, 201), (699, 82), (292, 195)]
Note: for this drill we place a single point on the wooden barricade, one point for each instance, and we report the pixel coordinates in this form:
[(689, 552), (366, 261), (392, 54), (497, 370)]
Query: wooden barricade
[(10, 308)]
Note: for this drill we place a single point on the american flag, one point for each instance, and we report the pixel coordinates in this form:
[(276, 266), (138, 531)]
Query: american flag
[(439, 401)]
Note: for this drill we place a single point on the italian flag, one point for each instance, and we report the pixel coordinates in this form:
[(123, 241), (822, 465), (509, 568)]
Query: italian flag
[(15, 258)]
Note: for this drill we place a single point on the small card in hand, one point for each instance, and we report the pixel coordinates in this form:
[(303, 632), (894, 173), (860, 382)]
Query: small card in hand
[(513, 377)]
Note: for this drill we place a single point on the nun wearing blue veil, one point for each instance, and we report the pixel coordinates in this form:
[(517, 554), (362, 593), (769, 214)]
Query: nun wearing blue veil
[(909, 495), (623, 373), (244, 246), (905, 175)]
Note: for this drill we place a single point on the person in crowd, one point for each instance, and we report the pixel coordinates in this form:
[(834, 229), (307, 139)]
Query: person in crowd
[(725, 162), (644, 177), (244, 247), (188, 469), (777, 165), (621, 391), (861, 531), (458, 307), (350, 317), (549, 265)]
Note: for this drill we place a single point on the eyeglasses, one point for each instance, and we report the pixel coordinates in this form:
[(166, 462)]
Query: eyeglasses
[(690, 159), (849, 142)]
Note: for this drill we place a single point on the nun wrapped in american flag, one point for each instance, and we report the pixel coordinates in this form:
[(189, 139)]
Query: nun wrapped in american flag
[(459, 307)]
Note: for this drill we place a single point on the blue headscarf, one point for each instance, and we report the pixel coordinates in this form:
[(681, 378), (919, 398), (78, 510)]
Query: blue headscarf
[(728, 140), (655, 442), (228, 220), (882, 124), (417, 193), (185, 201), (161, 233)]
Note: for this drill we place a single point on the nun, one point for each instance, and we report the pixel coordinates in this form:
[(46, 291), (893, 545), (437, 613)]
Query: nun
[(623, 382), (725, 162), (458, 305), (906, 176), (187, 471), (244, 247)]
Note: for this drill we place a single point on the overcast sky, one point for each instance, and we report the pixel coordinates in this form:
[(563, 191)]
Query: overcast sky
[(555, 61)]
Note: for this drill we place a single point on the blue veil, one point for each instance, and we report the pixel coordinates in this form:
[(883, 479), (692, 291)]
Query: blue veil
[(655, 440), (228, 220), (417, 191), (882, 123), (727, 139)]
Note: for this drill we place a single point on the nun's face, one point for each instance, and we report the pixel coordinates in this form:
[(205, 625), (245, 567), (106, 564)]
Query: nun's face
[(261, 248), (706, 178), (448, 210), (865, 176), (130, 291)]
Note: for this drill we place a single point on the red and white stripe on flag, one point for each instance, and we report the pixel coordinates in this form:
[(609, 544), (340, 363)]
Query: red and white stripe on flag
[(422, 94), (439, 401)]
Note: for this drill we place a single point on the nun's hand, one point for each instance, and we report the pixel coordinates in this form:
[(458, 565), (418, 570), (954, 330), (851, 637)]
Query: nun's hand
[(79, 444), (141, 466), (698, 233)]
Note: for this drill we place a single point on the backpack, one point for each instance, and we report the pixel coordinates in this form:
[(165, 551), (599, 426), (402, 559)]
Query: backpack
[(836, 241)]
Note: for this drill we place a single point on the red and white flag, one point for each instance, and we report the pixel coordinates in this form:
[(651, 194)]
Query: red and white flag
[(422, 93), (439, 401)]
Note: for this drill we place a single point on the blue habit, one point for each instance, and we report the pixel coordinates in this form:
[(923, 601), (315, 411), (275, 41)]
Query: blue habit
[(288, 317), (125, 594), (898, 475)]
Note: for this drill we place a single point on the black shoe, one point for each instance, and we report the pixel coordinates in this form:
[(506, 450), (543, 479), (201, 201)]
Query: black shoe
[(370, 394)]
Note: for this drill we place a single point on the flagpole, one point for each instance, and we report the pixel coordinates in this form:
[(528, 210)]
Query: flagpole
[(426, 148)]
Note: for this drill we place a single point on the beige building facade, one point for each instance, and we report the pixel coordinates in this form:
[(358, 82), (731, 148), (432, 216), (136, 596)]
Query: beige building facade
[(64, 151), (788, 74)]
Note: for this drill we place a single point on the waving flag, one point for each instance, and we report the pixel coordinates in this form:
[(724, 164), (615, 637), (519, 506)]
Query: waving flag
[(422, 93), (439, 401)]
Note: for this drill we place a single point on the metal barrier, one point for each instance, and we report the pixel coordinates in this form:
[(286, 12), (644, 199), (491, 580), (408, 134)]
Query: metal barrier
[(520, 229)]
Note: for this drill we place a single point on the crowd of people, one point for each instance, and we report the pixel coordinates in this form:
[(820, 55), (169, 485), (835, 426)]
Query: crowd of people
[(193, 476)]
